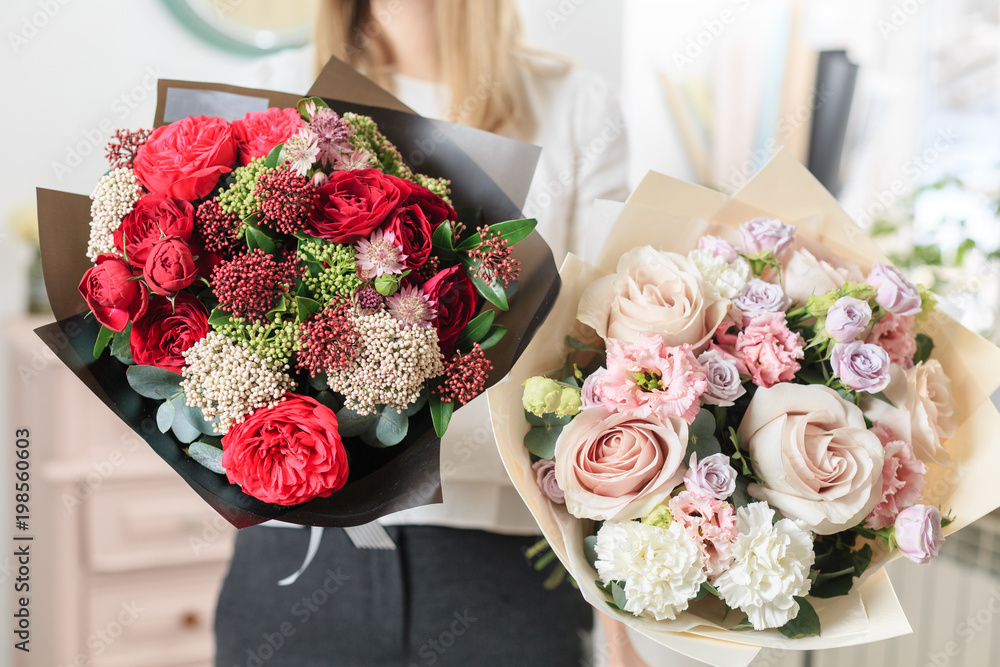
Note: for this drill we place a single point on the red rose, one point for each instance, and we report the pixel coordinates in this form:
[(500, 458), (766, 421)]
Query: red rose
[(170, 266), (435, 209), (258, 132), (152, 218), (288, 454), (160, 337), (111, 294), (454, 296), (186, 158), (353, 204), (413, 232)]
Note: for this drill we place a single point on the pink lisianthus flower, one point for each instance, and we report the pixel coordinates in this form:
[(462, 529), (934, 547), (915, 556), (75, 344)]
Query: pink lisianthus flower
[(896, 334), (902, 479), (711, 524), (647, 377), (771, 351), (725, 338)]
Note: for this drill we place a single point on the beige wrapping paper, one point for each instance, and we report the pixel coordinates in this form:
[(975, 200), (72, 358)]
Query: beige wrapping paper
[(671, 215)]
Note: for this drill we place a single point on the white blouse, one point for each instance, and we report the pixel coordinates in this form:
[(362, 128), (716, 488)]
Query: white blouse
[(579, 125)]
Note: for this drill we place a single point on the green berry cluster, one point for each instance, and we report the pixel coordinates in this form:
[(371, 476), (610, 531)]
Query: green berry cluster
[(331, 272), (240, 198), (274, 342)]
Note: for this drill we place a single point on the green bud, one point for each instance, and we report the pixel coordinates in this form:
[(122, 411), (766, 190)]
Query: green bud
[(928, 304), (659, 517), (541, 395), (817, 306), (569, 402), (387, 284), (860, 291)]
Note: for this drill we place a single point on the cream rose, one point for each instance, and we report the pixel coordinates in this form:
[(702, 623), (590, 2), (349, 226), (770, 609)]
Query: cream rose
[(925, 411), (807, 272), (653, 292), (612, 466), (817, 459)]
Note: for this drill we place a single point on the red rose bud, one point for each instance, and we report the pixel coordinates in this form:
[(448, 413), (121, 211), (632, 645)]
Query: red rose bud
[(353, 204), (258, 132), (110, 293), (152, 218), (186, 158), (435, 209), (454, 296), (166, 330), (410, 227), (170, 267), (287, 454)]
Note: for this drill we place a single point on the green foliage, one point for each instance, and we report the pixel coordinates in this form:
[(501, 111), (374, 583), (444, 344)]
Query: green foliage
[(104, 337), (120, 346), (153, 382), (207, 455), (925, 346), (805, 624)]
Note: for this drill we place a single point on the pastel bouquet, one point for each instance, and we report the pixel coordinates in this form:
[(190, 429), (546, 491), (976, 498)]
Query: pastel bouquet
[(740, 430), (292, 300)]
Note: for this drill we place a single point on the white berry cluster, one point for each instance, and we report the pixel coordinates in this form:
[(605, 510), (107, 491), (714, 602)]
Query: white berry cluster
[(390, 366), (228, 380), (114, 197)]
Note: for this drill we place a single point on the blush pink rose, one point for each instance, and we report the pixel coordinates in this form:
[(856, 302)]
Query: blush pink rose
[(902, 479), (711, 524), (617, 467), (673, 379), (770, 350), (816, 457), (897, 335)]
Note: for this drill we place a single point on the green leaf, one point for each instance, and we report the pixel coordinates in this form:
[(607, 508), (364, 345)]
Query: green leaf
[(350, 424), (805, 624), (493, 336), (441, 412), (741, 496), (165, 416), (258, 239), (153, 382), (492, 292), (548, 420), (541, 441), (271, 161), (306, 307), (580, 346), (701, 436), (207, 455), (387, 284), (925, 345), (590, 550), (474, 331), (442, 237), (219, 318), (194, 417), (742, 626), (618, 593), (183, 428), (417, 405), (391, 427), (511, 231), (121, 348), (104, 337)]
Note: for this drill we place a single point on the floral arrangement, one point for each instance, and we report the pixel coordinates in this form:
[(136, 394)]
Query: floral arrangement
[(291, 292), (748, 424)]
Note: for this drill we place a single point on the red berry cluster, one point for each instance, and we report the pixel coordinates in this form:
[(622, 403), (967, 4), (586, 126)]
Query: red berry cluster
[(249, 284), (123, 148), (465, 376), (329, 341), (286, 199)]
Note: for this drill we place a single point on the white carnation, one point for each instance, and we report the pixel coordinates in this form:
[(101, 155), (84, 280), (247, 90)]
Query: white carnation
[(660, 567), (771, 568), (724, 279)]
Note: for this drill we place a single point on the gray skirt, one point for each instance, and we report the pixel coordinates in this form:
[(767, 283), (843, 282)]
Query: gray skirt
[(444, 597)]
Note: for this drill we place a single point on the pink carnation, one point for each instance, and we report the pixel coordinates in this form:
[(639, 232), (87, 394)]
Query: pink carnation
[(770, 349), (672, 380), (896, 335), (902, 479), (726, 336), (711, 524)]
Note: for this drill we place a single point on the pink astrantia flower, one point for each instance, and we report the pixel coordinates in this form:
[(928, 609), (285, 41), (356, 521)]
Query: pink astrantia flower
[(411, 307), (379, 255), (301, 151), (896, 334), (770, 350), (647, 377), (902, 479), (711, 524)]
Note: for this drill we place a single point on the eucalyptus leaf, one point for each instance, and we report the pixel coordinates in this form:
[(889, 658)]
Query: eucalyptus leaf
[(541, 441), (392, 426), (805, 624), (590, 550), (183, 427), (350, 424), (701, 436), (165, 416), (618, 593), (207, 455), (194, 416), (417, 405), (741, 496), (153, 382)]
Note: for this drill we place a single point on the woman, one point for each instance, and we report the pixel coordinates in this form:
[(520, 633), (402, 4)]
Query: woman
[(457, 590)]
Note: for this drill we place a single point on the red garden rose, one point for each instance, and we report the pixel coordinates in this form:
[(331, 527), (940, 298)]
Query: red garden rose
[(186, 158), (435, 209), (110, 293), (410, 227), (454, 296), (152, 218), (258, 132), (353, 204), (287, 454), (170, 266), (161, 336)]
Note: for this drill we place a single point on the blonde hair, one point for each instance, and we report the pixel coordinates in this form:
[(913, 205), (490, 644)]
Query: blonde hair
[(480, 51)]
